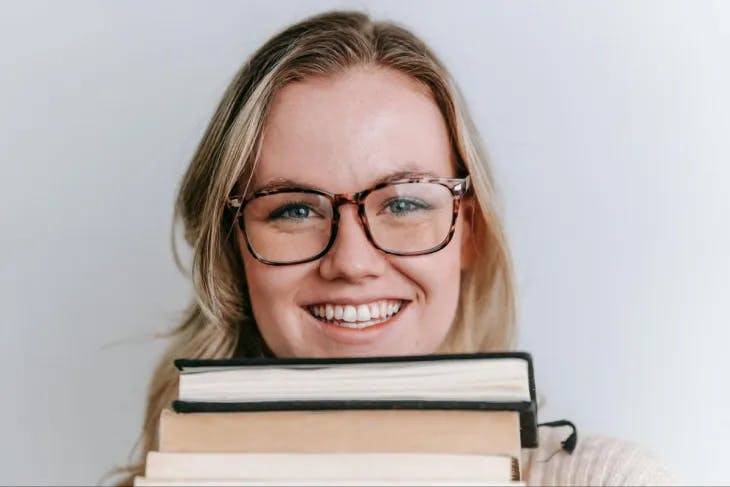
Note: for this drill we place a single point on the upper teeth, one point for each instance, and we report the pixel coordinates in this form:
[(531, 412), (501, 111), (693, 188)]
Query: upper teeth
[(354, 313)]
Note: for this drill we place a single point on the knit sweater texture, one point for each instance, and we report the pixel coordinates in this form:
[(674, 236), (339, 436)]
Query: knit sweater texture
[(596, 460)]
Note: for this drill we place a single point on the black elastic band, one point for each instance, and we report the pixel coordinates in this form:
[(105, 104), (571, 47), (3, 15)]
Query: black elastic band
[(570, 442)]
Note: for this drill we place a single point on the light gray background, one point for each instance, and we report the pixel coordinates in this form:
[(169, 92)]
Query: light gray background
[(608, 127)]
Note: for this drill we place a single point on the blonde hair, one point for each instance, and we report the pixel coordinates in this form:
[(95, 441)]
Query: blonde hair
[(219, 322)]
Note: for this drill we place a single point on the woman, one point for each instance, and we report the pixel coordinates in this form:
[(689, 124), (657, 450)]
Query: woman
[(339, 204)]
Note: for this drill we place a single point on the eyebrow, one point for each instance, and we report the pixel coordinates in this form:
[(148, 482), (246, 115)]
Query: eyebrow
[(408, 171)]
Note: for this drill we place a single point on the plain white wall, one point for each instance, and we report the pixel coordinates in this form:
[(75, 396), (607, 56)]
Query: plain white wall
[(608, 127)]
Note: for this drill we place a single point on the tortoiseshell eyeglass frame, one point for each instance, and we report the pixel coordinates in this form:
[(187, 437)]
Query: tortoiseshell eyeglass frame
[(457, 186)]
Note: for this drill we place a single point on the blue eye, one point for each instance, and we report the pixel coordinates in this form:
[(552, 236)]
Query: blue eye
[(291, 211), (404, 206)]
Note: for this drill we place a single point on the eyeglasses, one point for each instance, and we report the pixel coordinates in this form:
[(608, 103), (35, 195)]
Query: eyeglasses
[(403, 217)]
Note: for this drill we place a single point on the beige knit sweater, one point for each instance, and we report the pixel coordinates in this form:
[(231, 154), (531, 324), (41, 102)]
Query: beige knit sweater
[(595, 461)]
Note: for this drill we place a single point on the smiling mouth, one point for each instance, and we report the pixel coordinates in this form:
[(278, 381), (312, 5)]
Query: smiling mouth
[(356, 316)]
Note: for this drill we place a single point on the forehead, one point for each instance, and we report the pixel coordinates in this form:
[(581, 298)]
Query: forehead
[(343, 133)]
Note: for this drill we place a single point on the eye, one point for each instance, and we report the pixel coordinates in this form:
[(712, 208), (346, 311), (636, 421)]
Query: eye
[(292, 211), (402, 206)]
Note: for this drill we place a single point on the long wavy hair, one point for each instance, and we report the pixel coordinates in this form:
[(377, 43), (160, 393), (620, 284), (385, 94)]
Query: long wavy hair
[(218, 322)]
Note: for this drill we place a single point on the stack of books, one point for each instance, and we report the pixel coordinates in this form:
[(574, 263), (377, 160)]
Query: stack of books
[(425, 420)]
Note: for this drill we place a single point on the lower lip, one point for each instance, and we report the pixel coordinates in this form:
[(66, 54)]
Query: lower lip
[(358, 336)]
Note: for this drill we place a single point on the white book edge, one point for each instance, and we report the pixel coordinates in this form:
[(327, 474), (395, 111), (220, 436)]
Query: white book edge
[(503, 380), (152, 482), (322, 467)]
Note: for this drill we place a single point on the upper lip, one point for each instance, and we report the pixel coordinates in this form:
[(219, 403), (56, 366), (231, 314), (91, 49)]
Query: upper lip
[(354, 300)]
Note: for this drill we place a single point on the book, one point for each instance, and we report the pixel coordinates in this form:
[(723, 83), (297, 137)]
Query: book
[(480, 381), (315, 468), (140, 481), (421, 431), (457, 419)]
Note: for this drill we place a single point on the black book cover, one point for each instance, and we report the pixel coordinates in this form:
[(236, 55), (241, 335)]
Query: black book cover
[(527, 409)]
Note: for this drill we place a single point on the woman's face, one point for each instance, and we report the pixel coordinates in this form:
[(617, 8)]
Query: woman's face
[(341, 135)]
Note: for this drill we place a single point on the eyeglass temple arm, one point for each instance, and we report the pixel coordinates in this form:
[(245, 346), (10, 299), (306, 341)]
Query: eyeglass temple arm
[(462, 188)]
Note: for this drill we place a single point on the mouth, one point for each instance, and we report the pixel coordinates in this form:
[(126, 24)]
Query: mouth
[(357, 316)]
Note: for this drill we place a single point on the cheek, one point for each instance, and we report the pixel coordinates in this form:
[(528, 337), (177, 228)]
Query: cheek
[(437, 277), (260, 286), (273, 293), (270, 288)]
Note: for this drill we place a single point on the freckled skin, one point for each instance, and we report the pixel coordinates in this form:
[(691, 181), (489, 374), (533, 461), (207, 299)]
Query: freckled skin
[(341, 134)]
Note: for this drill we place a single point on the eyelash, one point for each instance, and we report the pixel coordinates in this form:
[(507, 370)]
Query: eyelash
[(278, 212), (420, 205)]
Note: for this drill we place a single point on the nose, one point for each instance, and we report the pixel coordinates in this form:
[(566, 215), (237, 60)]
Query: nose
[(352, 257)]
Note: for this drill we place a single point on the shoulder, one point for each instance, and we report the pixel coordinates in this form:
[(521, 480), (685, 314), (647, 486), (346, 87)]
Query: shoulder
[(596, 461)]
